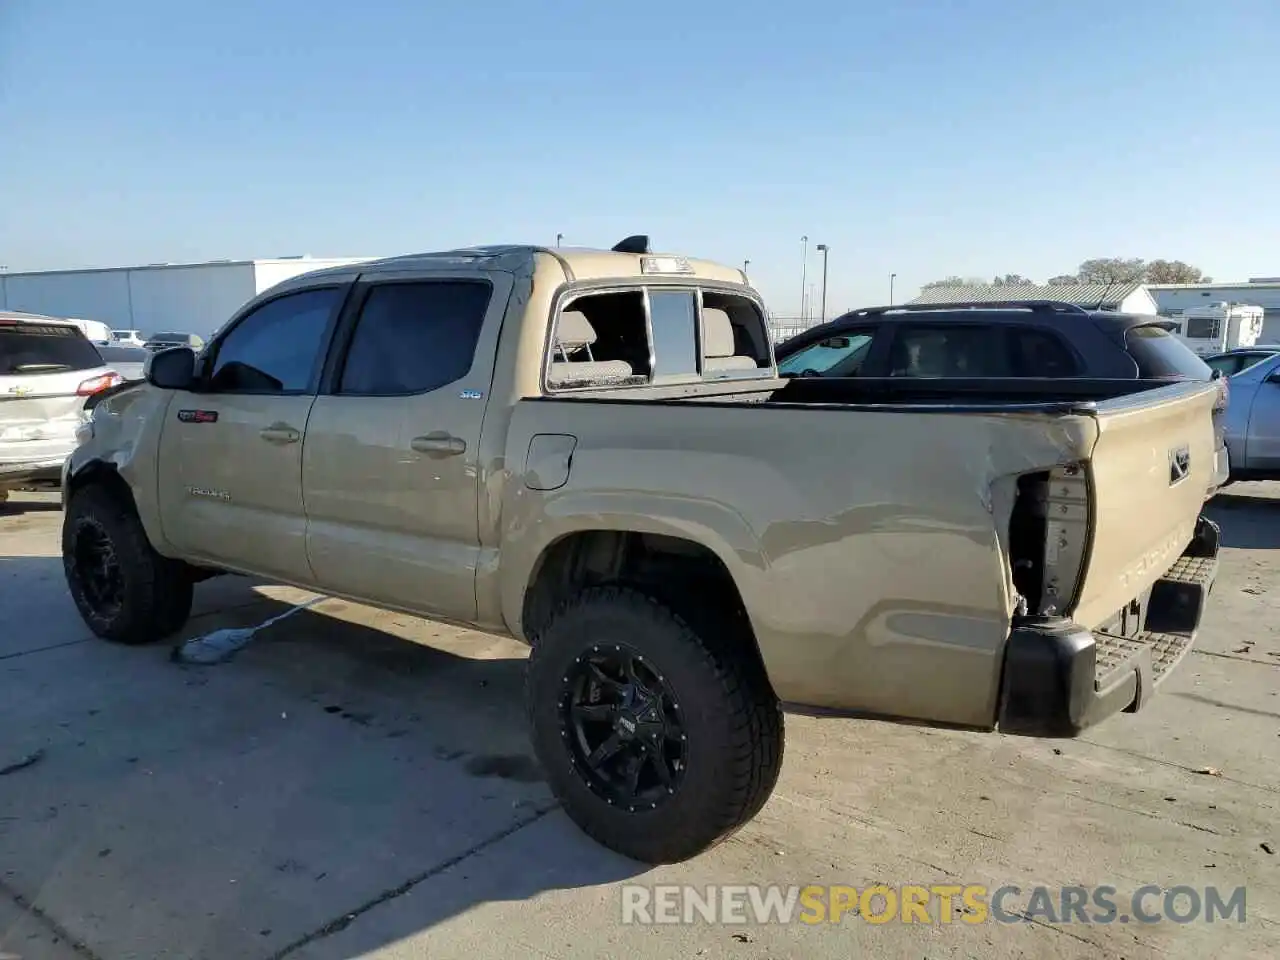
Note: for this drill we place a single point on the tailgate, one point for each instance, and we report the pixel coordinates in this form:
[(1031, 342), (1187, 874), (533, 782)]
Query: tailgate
[(1150, 470)]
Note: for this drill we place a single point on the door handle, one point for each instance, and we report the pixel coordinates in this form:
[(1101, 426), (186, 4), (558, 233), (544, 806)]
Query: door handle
[(280, 433), (439, 445)]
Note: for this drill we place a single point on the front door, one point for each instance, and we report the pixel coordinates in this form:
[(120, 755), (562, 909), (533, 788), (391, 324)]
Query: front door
[(391, 470), (230, 480)]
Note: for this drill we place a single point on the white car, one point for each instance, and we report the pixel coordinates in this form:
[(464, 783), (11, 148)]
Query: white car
[(48, 370), (127, 338)]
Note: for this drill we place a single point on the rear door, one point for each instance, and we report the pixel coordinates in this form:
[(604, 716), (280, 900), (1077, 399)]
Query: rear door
[(950, 349), (391, 471), (1148, 473), (230, 465), (47, 370)]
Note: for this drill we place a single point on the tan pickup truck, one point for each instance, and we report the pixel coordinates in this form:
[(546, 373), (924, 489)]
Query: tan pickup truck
[(592, 451)]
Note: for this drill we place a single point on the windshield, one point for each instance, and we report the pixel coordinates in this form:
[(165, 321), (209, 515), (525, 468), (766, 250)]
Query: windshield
[(1162, 356), (31, 348), (840, 356)]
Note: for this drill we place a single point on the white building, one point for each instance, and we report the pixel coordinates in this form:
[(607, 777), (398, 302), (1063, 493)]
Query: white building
[(1173, 298), (181, 297)]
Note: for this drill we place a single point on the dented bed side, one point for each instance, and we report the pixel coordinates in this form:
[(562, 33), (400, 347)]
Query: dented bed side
[(870, 548)]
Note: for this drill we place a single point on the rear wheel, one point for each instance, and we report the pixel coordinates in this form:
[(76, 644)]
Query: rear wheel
[(124, 590), (658, 743)]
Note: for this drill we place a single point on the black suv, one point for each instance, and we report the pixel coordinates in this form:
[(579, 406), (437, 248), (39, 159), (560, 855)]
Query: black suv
[(1031, 338), (1020, 340)]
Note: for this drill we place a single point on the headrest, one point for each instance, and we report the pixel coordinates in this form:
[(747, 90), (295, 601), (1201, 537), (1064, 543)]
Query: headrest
[(718, 332), (573, 329)]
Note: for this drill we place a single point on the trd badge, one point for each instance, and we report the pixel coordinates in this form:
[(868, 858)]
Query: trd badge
[(198, 416)]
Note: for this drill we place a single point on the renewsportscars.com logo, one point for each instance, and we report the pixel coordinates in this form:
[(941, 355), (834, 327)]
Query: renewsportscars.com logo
[(936, 903)]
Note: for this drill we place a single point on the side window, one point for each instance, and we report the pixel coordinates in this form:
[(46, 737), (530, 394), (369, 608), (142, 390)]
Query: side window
[(947, 350), (1229, 363), (841, 355), (414, 337), (1039, 353), (673, 315), (735, 338), (276, 348), (600, 339)]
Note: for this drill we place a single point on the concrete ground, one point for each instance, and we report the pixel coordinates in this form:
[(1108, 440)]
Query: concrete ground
[(359, 784)]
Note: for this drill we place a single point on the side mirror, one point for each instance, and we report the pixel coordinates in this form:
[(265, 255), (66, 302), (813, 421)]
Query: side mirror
[(172, 369), (1273, 376)]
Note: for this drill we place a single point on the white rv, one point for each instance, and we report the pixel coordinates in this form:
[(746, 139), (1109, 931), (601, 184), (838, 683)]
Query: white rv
[(1216, 327)]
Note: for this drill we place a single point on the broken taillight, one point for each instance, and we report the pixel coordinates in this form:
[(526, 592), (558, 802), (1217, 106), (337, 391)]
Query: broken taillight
[(1224, 395), (94, 385)]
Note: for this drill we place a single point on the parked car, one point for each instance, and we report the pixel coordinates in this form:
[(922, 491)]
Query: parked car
[(592, 451), (128, 338), (125, 360), (48, 368), (1017, 339), (163, 341), (1231, 362), (1253, 416)]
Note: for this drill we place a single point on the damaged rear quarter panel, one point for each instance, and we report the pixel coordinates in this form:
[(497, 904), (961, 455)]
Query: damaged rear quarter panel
[(868, 545)]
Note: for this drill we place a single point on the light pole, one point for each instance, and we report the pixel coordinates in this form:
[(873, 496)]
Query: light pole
[(559, 237), (824, 250), (745, 264), (804, 275), (892, 277)]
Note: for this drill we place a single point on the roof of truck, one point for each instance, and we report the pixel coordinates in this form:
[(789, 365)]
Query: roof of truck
[(581, 263)]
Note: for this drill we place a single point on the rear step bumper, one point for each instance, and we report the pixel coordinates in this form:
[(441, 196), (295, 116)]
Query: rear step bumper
[(1060, 678)]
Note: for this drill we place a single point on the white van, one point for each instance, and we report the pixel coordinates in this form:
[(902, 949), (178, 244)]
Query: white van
[(94, 330)]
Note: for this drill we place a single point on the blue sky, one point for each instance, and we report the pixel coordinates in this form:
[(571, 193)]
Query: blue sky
[(922, 138)]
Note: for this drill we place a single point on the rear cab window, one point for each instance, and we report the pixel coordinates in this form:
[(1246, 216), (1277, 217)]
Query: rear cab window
[(1162, 356), (34, 348), (655, 333)]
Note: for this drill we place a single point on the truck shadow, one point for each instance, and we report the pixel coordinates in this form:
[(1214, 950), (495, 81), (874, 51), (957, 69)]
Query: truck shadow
[(1248, 521), (348, 780)]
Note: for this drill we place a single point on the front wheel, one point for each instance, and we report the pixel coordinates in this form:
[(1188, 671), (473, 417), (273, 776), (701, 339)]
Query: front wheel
[(124, 590), (658, 743)]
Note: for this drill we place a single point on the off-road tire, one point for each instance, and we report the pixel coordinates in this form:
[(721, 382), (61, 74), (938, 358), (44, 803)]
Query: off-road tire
[(157, 591), (732, 720)]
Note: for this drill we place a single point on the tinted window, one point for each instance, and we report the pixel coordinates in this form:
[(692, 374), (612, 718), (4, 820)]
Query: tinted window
[(415, 337), (1039, 353), (674, 318), (947, 350), (29, 348), (1229, 363), (841, 355), (1161, 356), (276, 348)]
